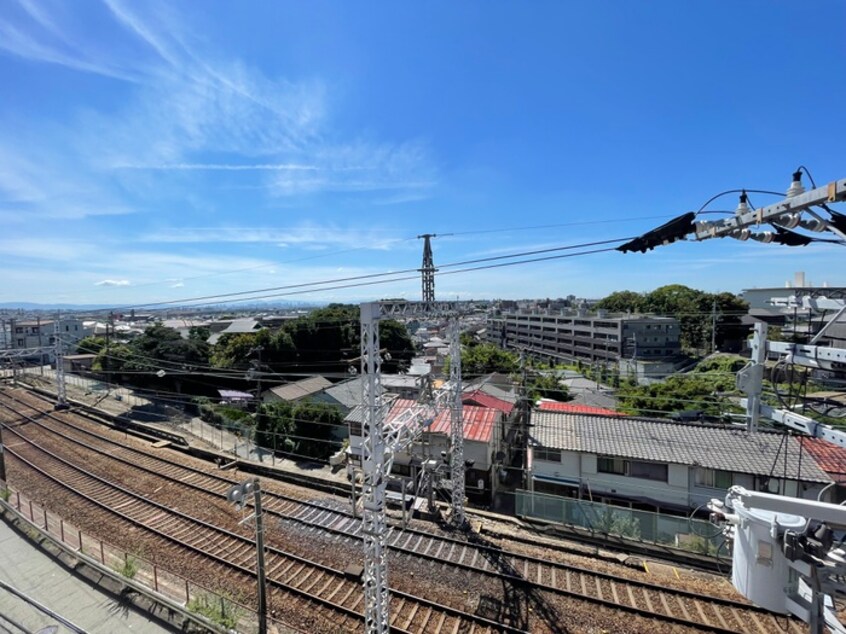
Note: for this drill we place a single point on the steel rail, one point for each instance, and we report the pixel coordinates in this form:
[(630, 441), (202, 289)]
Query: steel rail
[(510, 573), (432, 605)]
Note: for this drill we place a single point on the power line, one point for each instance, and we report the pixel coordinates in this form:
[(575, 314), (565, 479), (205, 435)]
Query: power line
[(318, 285)]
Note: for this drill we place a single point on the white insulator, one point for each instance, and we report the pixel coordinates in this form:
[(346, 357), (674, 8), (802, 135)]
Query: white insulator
[(764, 236), (814, 224), (742, 234), (789, 221), (795, 189), (742, 208)]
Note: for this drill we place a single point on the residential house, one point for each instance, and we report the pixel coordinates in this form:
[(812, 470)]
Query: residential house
[(38, 333), (659, 465), (345, 395), (78, 363), (296, 391), (481, 442), (575, 408)]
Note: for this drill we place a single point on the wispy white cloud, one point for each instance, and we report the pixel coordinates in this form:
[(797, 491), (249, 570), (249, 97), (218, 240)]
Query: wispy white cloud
[(112, 283), (323, 236), (229, 167)]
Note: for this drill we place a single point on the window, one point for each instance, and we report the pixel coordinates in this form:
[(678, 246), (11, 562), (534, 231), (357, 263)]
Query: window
[(607, 464), (713, 478), (648, 470), (632, 468), (549, 455)]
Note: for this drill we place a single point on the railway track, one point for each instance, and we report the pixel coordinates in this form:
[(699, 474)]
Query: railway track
[(473, 557), (321, 585)]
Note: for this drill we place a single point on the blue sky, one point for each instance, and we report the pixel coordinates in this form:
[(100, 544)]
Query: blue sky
[(154, 151)]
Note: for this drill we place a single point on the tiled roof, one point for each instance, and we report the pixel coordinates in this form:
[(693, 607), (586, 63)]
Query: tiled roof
[(232, 394), (726, 448), (479, 423), (483, 399), (829, 457), (357, 413), (301, 389), (347, 393), (575, 408)]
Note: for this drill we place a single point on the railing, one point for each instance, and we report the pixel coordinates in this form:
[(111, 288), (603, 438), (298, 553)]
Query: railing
[(688, 534), (204, 606)]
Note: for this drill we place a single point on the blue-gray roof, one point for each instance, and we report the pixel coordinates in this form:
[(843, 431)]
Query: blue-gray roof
[(713, 447)]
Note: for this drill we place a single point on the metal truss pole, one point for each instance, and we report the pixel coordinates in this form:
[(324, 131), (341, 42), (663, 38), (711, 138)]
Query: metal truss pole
[(61, 395), (428, 269), (457, 466), (376, 594)]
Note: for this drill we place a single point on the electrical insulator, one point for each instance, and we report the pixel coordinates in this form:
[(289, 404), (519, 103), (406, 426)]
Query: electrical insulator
[(742, 207), (813, 224), (742, 234), (764, 236), (789, 221), (796, 186)]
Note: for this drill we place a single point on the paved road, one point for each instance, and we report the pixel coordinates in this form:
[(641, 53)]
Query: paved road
[(35, 574)]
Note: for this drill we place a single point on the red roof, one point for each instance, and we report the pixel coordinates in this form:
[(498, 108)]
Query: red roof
[(829, 457), (482, 399), (479, 423), (575, 408)]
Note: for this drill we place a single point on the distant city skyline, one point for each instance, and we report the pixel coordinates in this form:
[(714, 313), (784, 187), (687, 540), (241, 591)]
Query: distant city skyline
[(152, 151)]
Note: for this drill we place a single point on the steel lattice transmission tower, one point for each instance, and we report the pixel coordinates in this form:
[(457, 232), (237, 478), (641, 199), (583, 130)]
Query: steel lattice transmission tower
[(428, 269)]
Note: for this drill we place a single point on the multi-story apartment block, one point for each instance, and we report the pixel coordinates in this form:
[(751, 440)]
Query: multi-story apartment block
[(37, 333), (602, 338)]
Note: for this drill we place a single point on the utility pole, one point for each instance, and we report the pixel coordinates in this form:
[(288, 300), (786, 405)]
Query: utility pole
[(751, 378), (714, 327), (61, 395), (108, 355), (237, 494), (40, 345)]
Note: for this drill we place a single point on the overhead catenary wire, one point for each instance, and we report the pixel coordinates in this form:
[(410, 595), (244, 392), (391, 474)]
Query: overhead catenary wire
[(340, 283)]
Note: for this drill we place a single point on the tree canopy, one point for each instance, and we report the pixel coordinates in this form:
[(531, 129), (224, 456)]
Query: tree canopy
[(694, 311), (325, 340), (302, 429)]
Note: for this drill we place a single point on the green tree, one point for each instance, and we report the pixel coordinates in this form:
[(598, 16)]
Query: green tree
[(485, 358), (622, 301), (302, 429), (548, 386), (695, 311), (91, 345)]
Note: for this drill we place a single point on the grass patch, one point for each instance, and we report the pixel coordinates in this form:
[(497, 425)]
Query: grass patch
[(130, 566), (216, 608)]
